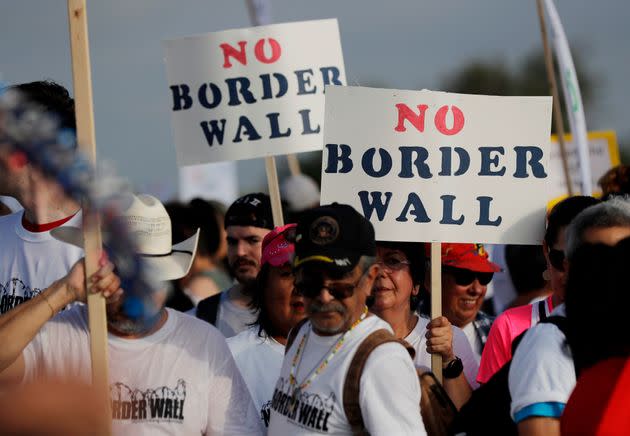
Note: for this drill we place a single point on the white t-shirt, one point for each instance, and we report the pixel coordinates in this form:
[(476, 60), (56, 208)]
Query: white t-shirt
[(389, 391), (473, 340), (259, 360), (179, 380), (461, 348), (542, 371), (232, 319), (30, 262)]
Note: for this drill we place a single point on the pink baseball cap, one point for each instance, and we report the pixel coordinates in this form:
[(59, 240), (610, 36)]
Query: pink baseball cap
[(278, 247)]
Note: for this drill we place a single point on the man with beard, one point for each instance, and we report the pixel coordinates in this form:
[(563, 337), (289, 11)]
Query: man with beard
[(247, 221), (169, 373), (335, 271)]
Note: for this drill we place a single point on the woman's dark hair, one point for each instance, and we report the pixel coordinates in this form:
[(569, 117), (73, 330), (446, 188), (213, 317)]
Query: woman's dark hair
[(414, 252), (597, 298), (526, 264), (563, 213), (257, 290)]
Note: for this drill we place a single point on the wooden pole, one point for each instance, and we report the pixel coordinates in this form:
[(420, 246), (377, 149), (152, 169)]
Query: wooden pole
[(557, 112), (274, 191), (436, 300), (294, 164), (82, 84)]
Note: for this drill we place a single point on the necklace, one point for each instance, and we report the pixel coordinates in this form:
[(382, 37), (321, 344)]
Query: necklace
[(296, 387)]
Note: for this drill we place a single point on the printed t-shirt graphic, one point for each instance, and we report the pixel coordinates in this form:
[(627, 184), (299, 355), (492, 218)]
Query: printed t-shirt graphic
[(31, 261), (389, 404), (181, 379)]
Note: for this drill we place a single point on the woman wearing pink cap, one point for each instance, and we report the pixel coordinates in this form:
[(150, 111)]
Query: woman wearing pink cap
[(259, 350)]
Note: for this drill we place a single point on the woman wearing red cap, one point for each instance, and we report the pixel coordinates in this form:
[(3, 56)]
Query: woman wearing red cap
[(396, 297), (259, 350), (466, 272)]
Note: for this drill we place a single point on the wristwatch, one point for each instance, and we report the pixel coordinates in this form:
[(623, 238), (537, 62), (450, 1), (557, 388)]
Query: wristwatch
[(454, 368)]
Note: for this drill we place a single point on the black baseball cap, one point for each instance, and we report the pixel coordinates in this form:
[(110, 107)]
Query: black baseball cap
[(250, 210), (335, 235)]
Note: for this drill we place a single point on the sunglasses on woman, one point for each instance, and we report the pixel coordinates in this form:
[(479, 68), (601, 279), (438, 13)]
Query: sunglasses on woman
[(556, 259), (464, 277)]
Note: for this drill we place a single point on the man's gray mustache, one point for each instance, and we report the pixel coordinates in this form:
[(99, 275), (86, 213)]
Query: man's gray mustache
[(331, 307)]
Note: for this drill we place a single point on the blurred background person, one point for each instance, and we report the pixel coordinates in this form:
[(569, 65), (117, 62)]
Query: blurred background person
[(616, 181), (299, 192), (395, 298), (259, 350), (207, 276)]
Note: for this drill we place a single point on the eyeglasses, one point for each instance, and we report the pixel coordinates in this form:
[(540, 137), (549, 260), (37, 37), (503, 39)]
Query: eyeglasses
[(392, 264), (556, 258), (339, 290), (464, 277)]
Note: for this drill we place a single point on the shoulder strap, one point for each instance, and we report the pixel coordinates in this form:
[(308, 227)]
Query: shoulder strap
[(558, 321), (293, 334), (542, 310), (351, 385), (208, 308)]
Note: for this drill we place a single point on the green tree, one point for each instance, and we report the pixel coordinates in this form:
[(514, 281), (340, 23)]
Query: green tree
[(494, 77)]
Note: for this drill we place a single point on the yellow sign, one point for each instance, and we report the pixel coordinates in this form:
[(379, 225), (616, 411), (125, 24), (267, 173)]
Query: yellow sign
[(604, 154)]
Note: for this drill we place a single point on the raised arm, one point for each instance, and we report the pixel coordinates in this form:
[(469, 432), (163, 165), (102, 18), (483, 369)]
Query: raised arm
[(19, 326)]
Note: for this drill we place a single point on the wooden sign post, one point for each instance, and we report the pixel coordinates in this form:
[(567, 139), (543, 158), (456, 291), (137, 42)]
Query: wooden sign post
[(274, 191), (436, 300), (82, 81)]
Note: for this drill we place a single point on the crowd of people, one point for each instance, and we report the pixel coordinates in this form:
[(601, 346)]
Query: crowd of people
[(314, 327)]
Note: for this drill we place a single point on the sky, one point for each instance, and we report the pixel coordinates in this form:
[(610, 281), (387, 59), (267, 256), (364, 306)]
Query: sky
[(402, 44)]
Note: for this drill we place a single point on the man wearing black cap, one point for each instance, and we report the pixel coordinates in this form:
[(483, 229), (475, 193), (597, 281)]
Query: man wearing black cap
[(247, 221), (335, 270)]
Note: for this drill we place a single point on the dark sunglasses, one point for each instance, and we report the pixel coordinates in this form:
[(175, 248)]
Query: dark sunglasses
[(340, 291), (464, 277), (556, 258)]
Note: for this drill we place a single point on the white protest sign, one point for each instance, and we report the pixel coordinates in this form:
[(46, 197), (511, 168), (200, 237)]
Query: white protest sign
[(246, 93), (441, 167), (604, 154), (212, 181)]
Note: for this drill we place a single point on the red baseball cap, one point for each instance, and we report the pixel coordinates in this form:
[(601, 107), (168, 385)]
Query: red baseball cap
[(276, 248), (473, 257)]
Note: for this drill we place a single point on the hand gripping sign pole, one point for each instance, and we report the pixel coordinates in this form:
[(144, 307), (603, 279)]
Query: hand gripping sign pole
[(82, 81)]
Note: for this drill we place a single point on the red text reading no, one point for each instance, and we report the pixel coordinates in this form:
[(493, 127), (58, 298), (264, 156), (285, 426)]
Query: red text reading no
[(417, 119), (240, 54)]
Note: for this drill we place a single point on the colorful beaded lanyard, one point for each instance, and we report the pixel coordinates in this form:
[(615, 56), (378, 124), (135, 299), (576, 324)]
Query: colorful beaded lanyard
[(297, 359)]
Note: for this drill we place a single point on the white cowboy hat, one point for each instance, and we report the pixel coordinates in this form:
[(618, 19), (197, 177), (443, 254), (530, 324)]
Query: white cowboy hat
[(150, 224)]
